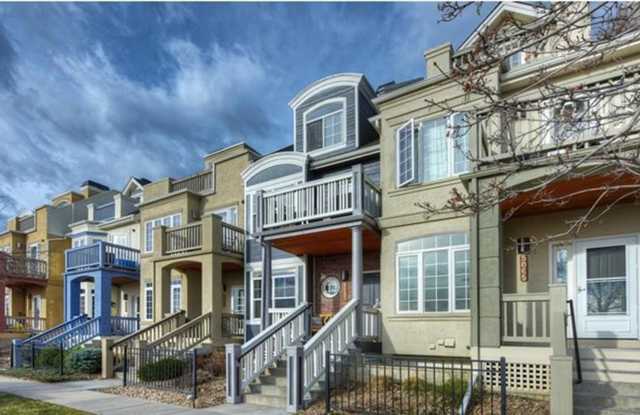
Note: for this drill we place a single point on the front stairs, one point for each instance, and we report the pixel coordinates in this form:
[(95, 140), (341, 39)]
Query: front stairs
[(611, 382)]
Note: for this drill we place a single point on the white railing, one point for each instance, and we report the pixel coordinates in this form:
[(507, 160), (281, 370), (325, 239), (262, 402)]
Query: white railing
[(187, 335), (278, 314), (371, 198), (525, 318), (271, 344), (184, 238), (232, 239), (318, 199), (371, 321), (335, 336)]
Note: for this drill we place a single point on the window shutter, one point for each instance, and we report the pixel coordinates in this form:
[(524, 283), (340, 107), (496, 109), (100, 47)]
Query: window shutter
[(405, 154)]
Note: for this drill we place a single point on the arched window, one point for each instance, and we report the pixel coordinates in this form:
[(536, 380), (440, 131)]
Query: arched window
[(325, 126)]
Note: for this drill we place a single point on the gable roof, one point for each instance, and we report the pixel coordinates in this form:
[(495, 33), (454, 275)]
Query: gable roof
[(138, 182), (502, 8)]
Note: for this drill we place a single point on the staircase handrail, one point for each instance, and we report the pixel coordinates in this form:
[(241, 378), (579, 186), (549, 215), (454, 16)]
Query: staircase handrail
[(262, 351), (199, 328), (326, 339), (56, 330), (76, 336), (138, 335)]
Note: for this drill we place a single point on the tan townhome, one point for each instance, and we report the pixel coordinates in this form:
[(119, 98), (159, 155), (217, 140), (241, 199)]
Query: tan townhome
[(192, 253), (508, 279)]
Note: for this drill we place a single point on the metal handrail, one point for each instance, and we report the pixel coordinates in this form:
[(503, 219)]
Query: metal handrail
[(575, 342)]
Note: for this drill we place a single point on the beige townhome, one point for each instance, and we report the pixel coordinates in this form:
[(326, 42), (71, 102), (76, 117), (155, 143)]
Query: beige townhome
[(192, 247), (496, 281)]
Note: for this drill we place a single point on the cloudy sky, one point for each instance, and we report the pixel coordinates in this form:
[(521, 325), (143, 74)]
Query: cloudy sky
[(107, 91)]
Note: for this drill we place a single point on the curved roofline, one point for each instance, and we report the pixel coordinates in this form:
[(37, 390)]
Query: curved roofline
[(285, 157), (339, 78)]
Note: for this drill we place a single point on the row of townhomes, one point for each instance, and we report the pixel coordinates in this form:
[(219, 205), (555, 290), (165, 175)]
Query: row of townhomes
[(371, 242)]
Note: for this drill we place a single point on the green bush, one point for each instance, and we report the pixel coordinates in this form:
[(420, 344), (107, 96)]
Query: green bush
[(164, 369), (48, 358), (86, 360)]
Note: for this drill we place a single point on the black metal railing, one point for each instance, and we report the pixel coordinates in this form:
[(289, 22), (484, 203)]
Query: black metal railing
[(576, 349), (382, 384), (37, 357), (160, 368)]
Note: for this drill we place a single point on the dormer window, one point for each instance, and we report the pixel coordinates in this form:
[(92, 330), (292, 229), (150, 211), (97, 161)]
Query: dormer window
[(325, 126)]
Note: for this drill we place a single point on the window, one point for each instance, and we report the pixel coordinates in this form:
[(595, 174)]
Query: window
[(325, 126), (330, 287), (571, 120), (93, 303), (256, 296), (560, 264), (513, 60), (148, 301), (34, 251), (77, 243), (237, 300), (171, 221), (176, 288), (284, 290), (441, 149), (606, 280), (121, 239), (83, 302), (433, 274), (228, 215)]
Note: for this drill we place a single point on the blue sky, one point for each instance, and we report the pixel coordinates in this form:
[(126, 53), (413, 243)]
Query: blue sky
[(108, 91)]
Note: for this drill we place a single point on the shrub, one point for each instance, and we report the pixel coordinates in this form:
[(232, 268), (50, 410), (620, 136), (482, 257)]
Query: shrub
[(214, 363), (47, 358), (164, 369), (87, 360)]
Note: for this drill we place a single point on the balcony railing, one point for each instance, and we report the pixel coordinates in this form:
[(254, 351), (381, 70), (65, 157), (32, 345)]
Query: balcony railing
[(25, 324), (26, 223), (330, 197), (197, 183), (183, 239), (232, 325), (102, 255), (525, 318), (22, 267), (232, 239)]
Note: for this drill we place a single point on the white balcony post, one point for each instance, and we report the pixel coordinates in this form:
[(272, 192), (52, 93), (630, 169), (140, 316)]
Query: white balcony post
[(118, 210), (295, 378), (91, 212), (266, 284), (232, 386), (357, 189), (356, 271)]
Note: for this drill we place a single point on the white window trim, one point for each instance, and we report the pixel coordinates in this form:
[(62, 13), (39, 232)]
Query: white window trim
[(234, 293), (413, 153), (332, 147), (284, 273), (176, 285), (252, 319), (451, 249), (149, 242), (148, 288), (233, 209)]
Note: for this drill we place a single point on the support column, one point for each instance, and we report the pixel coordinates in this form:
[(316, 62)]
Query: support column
[(102, 284), (232, 384), (486, 274), (212, 294), (356, 272), (266, 285), (72, 298), (107, 357)]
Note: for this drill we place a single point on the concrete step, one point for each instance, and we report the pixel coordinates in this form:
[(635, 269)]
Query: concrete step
[(266, 400), (278, 371), (273, 380), (602, 397), (611, 376), (585, 410), (273, 390), (609, 353), (625, 365), (608, 388)]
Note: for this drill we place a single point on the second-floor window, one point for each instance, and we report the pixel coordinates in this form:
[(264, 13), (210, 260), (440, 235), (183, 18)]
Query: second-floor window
[(148, 301), (170, 221), (437, 149), (325, 126)]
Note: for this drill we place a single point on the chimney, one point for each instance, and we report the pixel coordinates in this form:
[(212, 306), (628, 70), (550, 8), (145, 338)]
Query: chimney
[(91, 188), (438, 61)]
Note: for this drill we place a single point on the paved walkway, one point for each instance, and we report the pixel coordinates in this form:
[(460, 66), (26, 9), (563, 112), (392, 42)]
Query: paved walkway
[(81, 395)]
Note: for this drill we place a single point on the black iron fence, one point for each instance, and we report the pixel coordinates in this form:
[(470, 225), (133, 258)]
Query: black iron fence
[(164, 369), (36, 357), (382, 384)]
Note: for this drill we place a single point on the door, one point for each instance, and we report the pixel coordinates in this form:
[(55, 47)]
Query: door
[(606, 289)]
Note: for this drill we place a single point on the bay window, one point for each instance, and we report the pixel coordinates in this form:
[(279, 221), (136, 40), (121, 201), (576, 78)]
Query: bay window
[(325, 126), (432, 274), (436, 149)]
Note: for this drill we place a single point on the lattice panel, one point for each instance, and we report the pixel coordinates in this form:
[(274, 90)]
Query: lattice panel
[(523, 377)]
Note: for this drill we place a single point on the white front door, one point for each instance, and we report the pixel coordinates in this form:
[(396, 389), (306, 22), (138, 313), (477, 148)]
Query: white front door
[(606, 289)]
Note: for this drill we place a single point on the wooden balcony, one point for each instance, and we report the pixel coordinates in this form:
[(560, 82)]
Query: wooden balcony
[(18, 270), (350, 194), (209, 234), (102, 255)]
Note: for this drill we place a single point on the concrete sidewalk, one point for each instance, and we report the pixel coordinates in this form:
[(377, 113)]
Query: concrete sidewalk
[(82, 395)]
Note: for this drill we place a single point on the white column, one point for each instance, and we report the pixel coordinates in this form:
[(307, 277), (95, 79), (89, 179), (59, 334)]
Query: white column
[(266, 284), (356, 262)]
